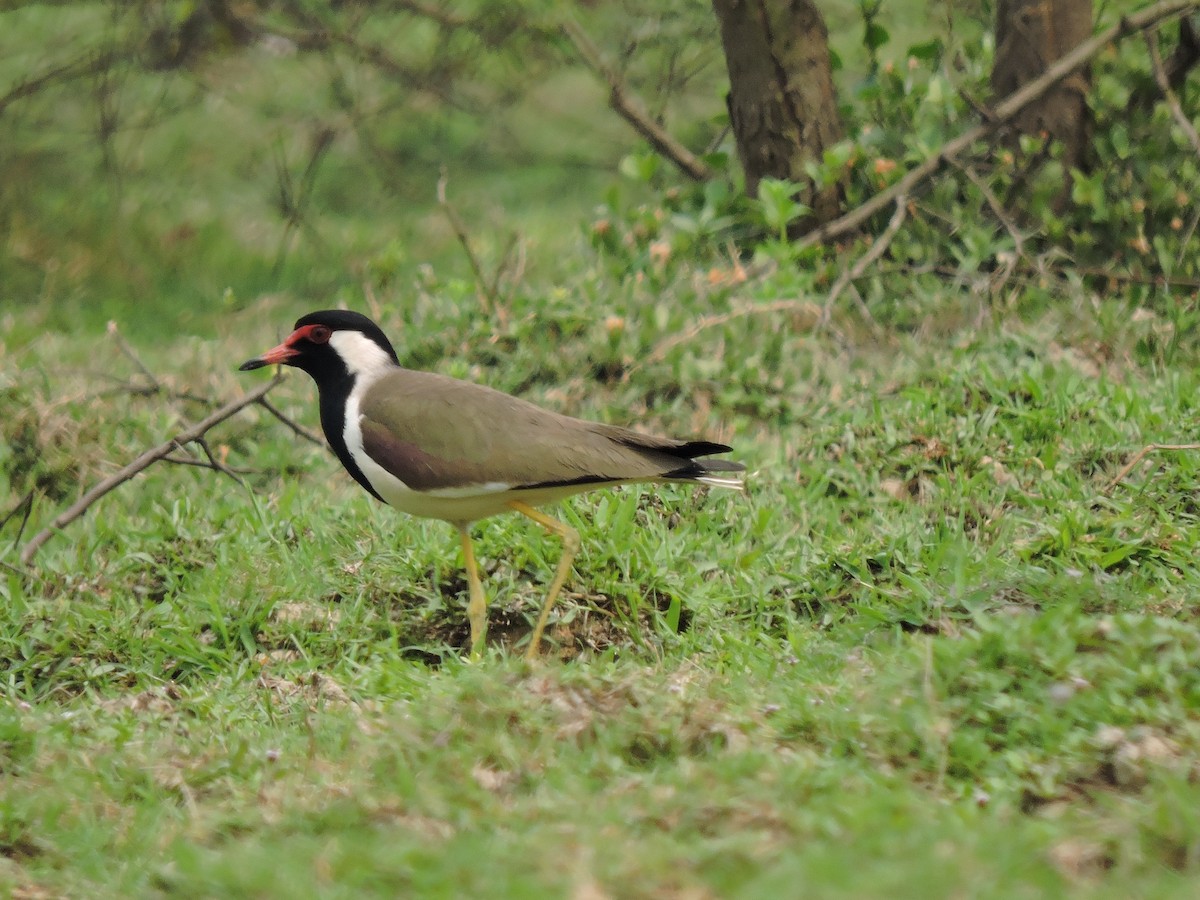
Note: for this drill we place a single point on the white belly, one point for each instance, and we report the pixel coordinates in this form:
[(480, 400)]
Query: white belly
[(461, 507)]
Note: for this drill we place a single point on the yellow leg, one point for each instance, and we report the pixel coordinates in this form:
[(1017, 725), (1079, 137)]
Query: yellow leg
[(477, 608), (570, 539)]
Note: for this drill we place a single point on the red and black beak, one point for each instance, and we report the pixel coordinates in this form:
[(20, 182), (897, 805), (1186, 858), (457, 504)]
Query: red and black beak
[(274, 356)]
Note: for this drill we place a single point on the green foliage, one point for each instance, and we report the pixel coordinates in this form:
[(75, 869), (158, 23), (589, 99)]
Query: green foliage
[(875, 35), (777, 206), (1001, 209)]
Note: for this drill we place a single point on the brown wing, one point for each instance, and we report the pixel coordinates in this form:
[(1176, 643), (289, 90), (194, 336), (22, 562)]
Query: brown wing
[(434, 432)]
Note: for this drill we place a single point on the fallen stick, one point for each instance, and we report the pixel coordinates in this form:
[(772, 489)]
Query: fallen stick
[(1139, 456), (187, 436)]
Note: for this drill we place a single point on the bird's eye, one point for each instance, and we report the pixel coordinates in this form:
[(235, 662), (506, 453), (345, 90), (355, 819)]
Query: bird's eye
[(319, 334)]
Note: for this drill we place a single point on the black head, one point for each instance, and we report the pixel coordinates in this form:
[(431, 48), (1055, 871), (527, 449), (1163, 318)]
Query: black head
[(315, 346), (336, 348)]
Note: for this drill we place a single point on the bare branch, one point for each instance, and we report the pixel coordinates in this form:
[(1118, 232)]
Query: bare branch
[(502, 267), (148, 390), (1003, 112), (853, 273), (1164, 85), (1009, 265), (151, 456), (486, 290), (217, 464), (1185, 245), (26, 504), (994, 203), (1181, 61), (982, 110), (1192, 284), (155, 387), (1139, 456), (88, 64), (206, 464), (295, 426), (320, 40), (632, 110), (123, 345)]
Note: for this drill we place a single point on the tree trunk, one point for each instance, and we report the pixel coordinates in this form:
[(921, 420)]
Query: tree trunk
[(1030, 35), (782, 105)]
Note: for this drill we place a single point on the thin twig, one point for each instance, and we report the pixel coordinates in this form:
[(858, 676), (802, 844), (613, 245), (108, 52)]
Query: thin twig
[(994, 203), (1004, 112), (876, 250), (372, 301), (149, 390), (1164, 85), (26, 504), (295, 196), (123, 345), (502, 266), (286, 420), (486, 292), (1139, 456), (1185, 245), (982, 110), (216, 464), (1030, 164), (1182, 60), (151, 456), (88, 64), (1136, 278), (206, 464), (702, 324), (155, 387), (1044, 268), (1009, 265), (320, 39), (632, 110)]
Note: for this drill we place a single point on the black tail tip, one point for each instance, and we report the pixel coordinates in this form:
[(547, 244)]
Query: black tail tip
[(702, 448)]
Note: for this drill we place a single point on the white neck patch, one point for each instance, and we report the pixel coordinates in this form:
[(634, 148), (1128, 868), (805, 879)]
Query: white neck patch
[(365, 359)]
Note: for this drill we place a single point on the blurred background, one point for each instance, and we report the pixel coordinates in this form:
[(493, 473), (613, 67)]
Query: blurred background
[(163, 163)]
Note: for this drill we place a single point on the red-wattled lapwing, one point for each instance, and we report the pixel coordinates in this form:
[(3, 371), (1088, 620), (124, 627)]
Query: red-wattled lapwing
[(438, 447)]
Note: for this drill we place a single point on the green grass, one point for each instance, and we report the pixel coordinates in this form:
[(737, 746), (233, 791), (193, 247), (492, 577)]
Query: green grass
[(927, 647)]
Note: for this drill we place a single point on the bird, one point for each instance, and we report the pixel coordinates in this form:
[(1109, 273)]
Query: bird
[(439, 447)]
